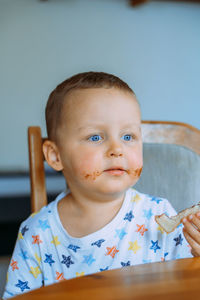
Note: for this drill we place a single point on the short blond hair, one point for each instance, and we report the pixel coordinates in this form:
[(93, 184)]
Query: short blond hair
[(84, 80)]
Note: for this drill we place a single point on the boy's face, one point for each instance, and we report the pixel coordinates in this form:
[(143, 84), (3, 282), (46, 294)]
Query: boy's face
[(99, 141)]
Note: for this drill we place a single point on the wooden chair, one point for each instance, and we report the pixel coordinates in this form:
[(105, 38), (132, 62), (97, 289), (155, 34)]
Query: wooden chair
[(36, 169), (154, 133)]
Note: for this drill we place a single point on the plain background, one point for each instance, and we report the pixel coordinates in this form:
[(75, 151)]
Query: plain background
[(154, 47)]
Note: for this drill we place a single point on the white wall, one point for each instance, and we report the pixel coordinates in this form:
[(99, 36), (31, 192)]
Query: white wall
[(154, 47)]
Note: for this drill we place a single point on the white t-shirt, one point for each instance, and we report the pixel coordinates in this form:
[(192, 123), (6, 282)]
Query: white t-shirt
[(45, 253)]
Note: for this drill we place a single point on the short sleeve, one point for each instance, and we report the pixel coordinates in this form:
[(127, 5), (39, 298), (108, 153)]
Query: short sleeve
[(24, 271)]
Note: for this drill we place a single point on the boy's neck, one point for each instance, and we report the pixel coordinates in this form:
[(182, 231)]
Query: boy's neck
[(94, 215)]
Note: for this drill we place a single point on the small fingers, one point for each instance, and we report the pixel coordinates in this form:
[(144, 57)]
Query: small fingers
[(192, 232), (195, 247)]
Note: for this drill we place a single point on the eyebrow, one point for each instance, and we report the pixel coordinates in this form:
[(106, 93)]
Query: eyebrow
[(93, 126)]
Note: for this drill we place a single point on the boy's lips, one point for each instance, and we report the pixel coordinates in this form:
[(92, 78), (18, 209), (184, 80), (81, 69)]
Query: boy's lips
[(117, 171)]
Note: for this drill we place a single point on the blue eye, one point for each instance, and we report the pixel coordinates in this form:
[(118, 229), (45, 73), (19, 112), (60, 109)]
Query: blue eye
[(127, 137), (95, 138)]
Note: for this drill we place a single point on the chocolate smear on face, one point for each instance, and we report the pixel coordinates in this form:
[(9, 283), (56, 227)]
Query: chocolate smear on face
[(92, 176), (135, 172)]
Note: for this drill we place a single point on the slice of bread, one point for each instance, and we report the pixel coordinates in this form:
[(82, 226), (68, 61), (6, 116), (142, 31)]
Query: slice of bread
[(170, 223)]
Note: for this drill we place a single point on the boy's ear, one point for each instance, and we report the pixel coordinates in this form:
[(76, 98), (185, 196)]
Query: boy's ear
[(52, 155)]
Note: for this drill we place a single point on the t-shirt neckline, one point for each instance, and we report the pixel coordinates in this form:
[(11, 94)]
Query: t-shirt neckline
[(103, 232)]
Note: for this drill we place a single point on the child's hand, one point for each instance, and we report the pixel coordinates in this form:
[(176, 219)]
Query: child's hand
[(191, 232)]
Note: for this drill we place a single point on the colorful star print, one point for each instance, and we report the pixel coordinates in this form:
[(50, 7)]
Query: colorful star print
[(55, 240), (88, 259), (146, 261), (120, 233), (98, 243), (43, 225), (178, 240), (105, 269), (20, 236), (14, 265), (23, 285), (59, 276), (157, 200), (160, 229), (134, 247), (24, 229), (24, 254), (154, 246), (73, 247), (45, 253), (67, 261), (141, 229), (36, 239), (49, 259), (112, 251), (80, 274), (128, 263), (35, 271), (165, 255), (38, 258), (129, 216), (136, 198), (148, 213)]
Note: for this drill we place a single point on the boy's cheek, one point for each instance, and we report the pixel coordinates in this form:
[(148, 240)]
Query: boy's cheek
[(89, 166)]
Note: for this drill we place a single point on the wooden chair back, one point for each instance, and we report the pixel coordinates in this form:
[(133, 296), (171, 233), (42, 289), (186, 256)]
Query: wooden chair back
[(152, 131), (36, 169)]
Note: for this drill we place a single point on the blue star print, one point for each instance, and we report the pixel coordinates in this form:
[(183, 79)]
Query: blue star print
[(24, 254), (49, 259), (125, 264), (88, 259), (178, 240), (43, 224), (98, 243), (148, 213), (103, 269), (154, 246), (23, 285), (67, 261), (24, 229), (165, 254), (73, 247), (120, 233), (146, 261), (129, 216), (157, 200)]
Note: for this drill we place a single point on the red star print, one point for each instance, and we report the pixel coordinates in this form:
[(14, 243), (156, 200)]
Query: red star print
[(111, 251), (14, 265), (36, 239), (59, 276), (141, 229)]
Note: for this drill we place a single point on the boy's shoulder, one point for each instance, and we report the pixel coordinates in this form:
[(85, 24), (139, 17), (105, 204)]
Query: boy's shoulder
[(147, 202), (40, 220)]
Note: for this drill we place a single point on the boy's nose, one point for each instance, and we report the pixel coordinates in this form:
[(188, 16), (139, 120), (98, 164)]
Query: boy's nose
[(115, 150)]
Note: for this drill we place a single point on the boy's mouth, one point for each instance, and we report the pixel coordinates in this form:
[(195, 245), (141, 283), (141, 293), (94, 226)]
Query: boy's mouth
[(116, 171)]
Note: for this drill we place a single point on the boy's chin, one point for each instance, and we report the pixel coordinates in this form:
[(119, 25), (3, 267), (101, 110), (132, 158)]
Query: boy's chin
[(114, 190)]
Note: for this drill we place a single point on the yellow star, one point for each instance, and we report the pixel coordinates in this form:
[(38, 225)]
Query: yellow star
[(38, 258), (136, 198), (80, 274), (20, 236), (35, 271), (33, 214), (161, 230), (134, 246), (55, 240)]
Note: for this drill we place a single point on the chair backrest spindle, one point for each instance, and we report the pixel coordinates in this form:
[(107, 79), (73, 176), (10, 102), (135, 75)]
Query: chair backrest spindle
[(37, 173)]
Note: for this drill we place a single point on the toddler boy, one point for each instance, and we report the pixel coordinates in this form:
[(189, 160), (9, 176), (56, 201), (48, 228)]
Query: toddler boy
[(100, 223)]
